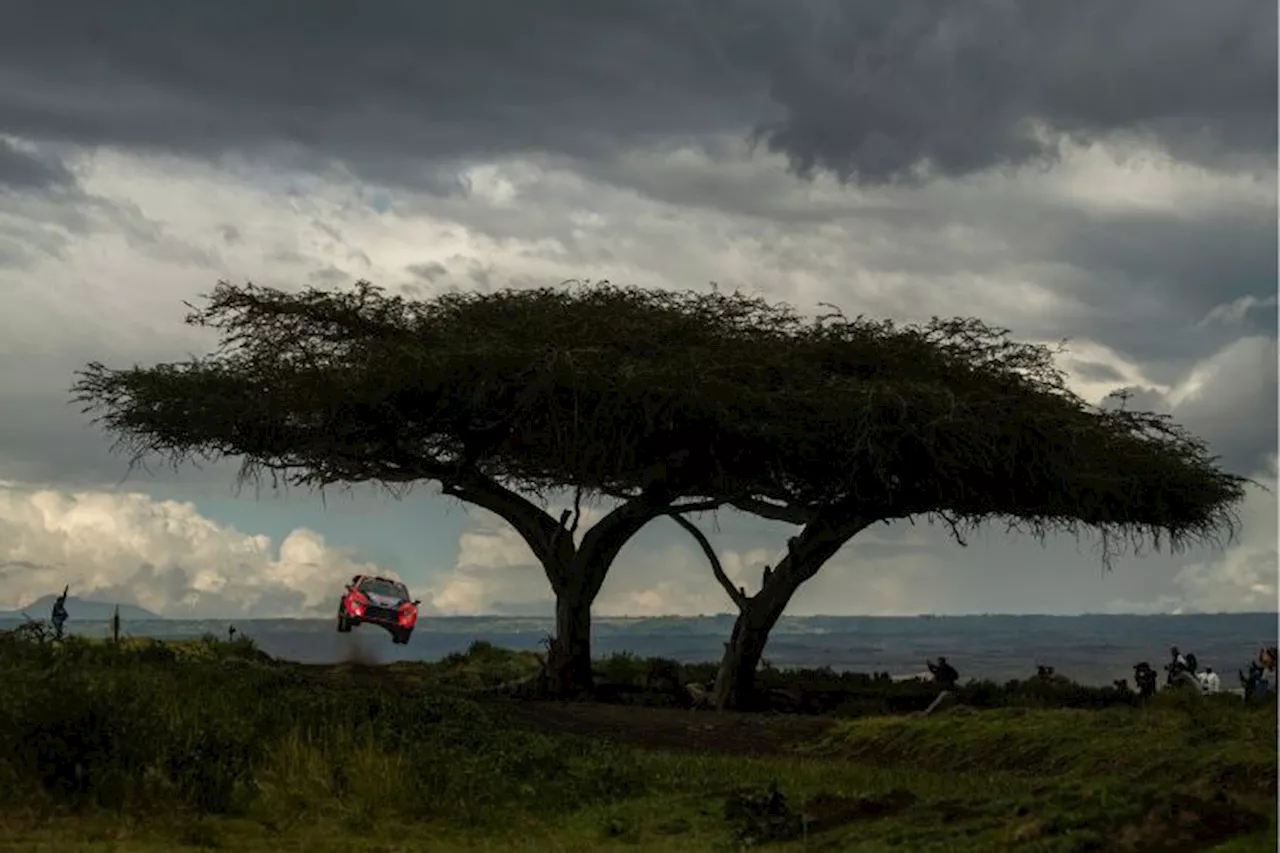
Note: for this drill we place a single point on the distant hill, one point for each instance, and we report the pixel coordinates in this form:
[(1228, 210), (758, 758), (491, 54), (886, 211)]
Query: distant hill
[(79, 609)]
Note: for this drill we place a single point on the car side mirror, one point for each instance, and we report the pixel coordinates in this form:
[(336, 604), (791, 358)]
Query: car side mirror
[(416, 602)]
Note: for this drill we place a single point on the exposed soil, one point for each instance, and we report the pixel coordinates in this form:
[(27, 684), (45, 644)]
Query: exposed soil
[(657, 728), (670, 728)]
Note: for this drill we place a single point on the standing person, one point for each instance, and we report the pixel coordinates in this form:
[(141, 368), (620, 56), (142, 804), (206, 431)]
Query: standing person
[(59, 615), (1145, 677), (1255, 684), (1267, 656), (943, 673), (1209, 681), (1177, 664)]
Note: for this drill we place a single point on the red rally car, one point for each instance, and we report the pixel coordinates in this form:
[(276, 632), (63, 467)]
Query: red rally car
[(378, 601)]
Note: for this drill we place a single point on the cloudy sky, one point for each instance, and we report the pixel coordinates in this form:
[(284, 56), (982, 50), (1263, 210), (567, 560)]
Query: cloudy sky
[(1098, 171)]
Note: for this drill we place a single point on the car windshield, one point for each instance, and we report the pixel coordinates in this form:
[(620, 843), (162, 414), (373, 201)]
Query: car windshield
[(383, 588)]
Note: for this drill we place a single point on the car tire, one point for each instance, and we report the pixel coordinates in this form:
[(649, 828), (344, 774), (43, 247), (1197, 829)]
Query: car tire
[(401, 637), (344, 627)]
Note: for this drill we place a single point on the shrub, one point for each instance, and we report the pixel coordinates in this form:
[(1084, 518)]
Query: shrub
[(145, 725)]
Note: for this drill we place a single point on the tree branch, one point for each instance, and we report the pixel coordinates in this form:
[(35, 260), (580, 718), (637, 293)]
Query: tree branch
[(606, 537), (954, 524), (773, 511), (530, 521), (738, 597), (565, 527), (577, 510), (560, 528), (817, 543), (698, 506)]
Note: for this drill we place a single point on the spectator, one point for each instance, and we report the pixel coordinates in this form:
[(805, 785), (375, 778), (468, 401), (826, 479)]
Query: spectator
[(1209, 681), (943, 673), (1145, 677), (1267, 656), (59, 615), (1255, 684), (1178, 664)]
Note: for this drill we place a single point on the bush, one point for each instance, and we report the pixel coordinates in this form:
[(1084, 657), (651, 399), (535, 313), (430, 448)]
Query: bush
[(210, 726), (149, 726)]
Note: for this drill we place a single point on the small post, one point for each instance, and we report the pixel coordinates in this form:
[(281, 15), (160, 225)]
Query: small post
[(115, 626)]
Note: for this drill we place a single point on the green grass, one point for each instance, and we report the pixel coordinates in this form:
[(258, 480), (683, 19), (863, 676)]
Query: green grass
[(210, 745)]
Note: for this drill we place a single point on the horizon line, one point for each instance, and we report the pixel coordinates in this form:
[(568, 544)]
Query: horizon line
[(18, 614)]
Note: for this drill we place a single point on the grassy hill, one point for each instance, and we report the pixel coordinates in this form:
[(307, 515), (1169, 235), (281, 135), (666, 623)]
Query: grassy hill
[(208, 744)]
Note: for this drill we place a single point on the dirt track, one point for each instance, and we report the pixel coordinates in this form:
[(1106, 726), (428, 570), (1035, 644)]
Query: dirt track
[(667, 728), (655, 728)]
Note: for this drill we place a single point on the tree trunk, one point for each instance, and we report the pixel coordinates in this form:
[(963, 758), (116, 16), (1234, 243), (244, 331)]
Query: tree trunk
[(757, 614), (735, 680), (577, 582), (576, 572), (569, 656)]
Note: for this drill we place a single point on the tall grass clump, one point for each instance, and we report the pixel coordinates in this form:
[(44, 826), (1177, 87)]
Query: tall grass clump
[(215, 727)]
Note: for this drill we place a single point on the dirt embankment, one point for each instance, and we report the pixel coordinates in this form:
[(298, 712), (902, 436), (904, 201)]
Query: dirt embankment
[(656, 728), (668, 728)]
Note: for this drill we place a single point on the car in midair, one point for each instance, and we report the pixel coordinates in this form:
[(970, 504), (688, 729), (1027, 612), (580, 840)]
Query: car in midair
[(374, 600)]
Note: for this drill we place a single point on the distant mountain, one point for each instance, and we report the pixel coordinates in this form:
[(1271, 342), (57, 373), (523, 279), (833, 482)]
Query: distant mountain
[(79, 609)]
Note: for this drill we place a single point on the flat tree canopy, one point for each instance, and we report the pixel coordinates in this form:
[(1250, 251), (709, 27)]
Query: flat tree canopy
[(596, 387), (651, 397), (609, 389), (955, 419), (645, 396)]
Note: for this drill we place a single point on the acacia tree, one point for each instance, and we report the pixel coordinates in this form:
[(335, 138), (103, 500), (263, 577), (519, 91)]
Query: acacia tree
[(661, 401), (955, 422)]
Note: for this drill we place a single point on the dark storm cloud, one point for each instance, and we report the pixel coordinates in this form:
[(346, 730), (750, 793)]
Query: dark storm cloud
[(868, 90), (1231, 404), (1200, 261), (877, 88), (20, 170), (1094, 371)]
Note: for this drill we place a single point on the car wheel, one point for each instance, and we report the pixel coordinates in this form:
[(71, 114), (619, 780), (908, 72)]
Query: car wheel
[(401, 637), (344, 626)]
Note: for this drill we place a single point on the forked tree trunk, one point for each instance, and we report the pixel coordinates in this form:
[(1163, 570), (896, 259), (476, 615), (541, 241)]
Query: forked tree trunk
[(820, 539), (576, 572), (735, 680)]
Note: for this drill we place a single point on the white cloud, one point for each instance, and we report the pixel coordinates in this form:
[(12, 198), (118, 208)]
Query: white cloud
[(496, 570), (161, 554), (156, 231), (495, 566), (1115, 176), (1246, 576), (1082, 354), (1234, 312), (1246, 359)]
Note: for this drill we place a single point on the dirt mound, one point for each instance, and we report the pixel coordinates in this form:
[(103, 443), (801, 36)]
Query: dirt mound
[(1185, 822)]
